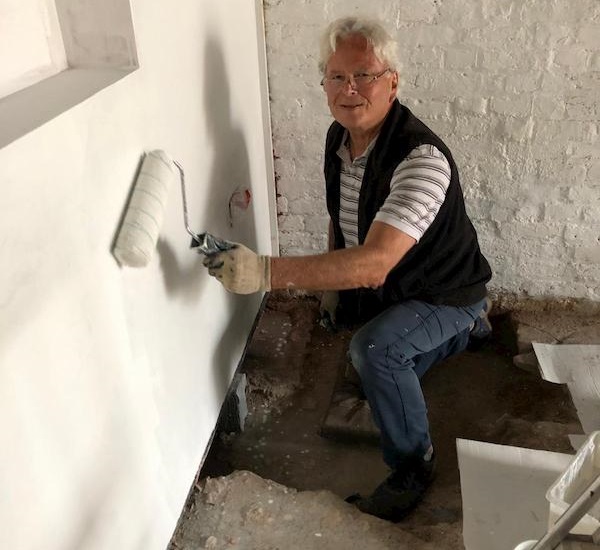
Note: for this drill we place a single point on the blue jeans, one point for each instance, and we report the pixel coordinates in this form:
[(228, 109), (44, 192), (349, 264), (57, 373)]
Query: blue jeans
[(391, 353)]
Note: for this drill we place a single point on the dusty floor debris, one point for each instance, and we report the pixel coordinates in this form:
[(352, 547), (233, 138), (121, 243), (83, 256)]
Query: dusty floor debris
[(291, 366), (243, 510)]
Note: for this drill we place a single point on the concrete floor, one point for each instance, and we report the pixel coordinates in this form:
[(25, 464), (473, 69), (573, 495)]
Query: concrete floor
[(291, 366)]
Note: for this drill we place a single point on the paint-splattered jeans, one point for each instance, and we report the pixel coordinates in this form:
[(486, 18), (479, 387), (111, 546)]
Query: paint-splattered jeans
[(392, 352)]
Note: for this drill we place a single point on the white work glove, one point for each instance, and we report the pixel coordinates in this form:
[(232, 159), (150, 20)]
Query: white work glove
[(328, 307), (240, 270)]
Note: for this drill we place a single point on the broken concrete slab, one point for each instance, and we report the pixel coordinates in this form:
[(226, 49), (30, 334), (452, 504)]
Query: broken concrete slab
[(244, 511), (527, 362), (349, 417)]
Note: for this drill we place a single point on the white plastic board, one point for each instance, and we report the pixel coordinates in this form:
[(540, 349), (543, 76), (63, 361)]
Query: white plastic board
[(503, 493), (578, 366)]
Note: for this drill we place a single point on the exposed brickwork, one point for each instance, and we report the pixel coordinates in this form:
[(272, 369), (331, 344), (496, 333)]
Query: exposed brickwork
[(512, 88)]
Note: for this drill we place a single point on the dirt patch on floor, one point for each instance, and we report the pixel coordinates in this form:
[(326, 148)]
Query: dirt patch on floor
[(246, 511), (291, 366)]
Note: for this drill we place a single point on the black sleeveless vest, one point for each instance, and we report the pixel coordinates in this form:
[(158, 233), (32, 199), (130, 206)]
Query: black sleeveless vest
[(446, 266)]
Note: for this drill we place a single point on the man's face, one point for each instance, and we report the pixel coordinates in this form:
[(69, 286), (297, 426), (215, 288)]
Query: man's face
[(360, 109)]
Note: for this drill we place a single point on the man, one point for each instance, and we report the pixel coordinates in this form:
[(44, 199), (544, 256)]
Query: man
[(404, 253)]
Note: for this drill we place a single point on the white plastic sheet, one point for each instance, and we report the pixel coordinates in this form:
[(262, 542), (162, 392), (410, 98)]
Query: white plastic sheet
[(578, 366), (503, 492)]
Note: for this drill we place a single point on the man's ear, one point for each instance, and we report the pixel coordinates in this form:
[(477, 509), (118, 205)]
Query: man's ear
[(395, 78)]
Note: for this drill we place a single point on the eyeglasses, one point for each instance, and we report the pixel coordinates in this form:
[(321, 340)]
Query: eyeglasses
[(358, 81)]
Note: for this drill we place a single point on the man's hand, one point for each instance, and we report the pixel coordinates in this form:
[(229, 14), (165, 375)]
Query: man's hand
[(240, 270), (328, 307)]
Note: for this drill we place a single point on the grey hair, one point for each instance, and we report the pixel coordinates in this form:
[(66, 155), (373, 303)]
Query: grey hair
[(384, 46)]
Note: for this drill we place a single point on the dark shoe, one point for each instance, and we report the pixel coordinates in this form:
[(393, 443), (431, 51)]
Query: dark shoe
[(400, 493), (481, 329)]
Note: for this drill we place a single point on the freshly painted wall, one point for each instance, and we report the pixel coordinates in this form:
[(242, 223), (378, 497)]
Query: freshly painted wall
[(111, 379), (511, 86)]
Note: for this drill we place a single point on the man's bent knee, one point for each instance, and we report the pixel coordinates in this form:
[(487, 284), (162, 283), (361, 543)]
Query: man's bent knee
[(370, 354), (365, 352)]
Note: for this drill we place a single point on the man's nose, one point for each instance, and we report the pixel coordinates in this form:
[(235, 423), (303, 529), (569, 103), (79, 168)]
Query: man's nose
[(349, 86)]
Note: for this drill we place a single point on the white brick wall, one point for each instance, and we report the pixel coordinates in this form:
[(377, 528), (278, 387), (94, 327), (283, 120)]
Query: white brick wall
[(513, 88)]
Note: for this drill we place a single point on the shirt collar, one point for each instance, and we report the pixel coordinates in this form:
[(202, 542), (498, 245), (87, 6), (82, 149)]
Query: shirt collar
[(344, 150)]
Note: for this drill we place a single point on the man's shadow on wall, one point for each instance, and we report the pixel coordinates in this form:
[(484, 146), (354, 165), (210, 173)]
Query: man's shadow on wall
[(229, 170)]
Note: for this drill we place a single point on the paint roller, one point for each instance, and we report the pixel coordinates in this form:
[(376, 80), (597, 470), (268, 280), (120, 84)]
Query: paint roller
[(142, 221)]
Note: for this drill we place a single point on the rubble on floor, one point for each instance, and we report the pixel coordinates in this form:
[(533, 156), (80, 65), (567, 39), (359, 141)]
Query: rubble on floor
[(244, 511)]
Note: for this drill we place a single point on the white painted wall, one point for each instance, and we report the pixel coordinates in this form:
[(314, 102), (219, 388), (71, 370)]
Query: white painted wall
[(511, 86), (111, 379)]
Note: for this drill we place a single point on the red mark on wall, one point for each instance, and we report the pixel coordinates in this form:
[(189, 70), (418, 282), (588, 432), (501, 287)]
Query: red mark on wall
[(238, 203)]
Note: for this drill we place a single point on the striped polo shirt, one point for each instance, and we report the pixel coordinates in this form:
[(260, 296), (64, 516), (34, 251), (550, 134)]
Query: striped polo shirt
[(417, 191)]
